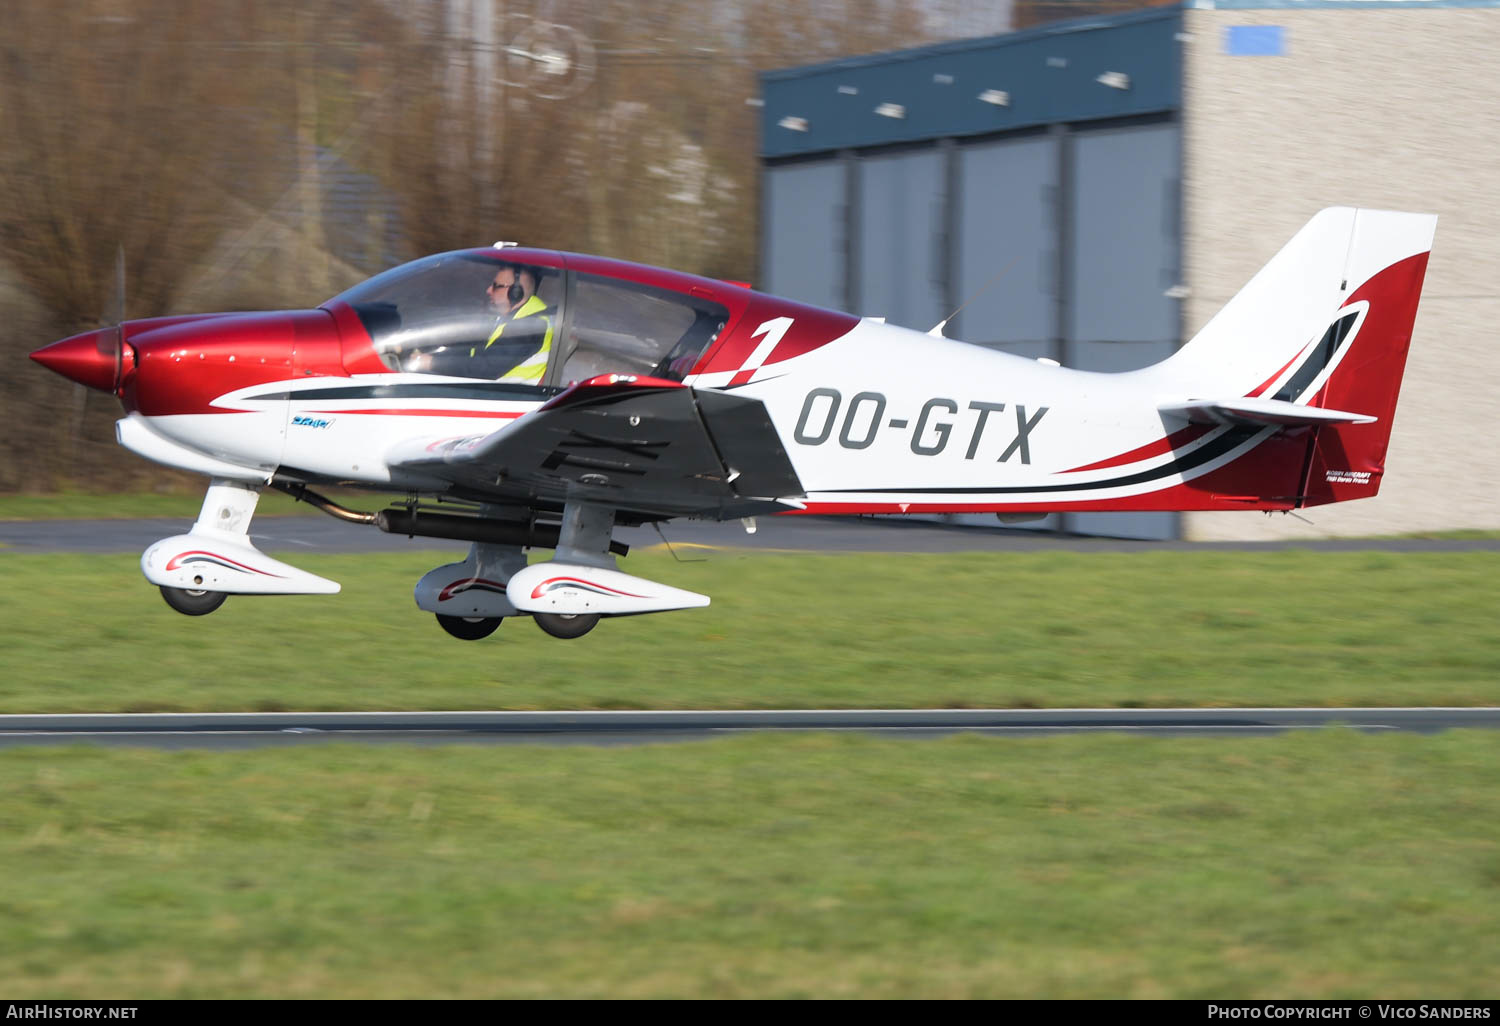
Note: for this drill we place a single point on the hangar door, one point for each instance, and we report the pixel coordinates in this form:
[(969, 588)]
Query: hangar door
[(1123, 260), (1006, 249), (902, 239), (1123, 250), (804, 238), (1007, 246)]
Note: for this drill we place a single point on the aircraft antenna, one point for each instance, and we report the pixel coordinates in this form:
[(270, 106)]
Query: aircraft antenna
[(673, 551), (937, 329)]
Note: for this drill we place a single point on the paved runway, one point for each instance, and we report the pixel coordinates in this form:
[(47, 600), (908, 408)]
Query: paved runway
[(291, 534), (243, 730)]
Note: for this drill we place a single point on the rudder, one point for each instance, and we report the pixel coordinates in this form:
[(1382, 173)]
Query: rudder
[(1387, 265)]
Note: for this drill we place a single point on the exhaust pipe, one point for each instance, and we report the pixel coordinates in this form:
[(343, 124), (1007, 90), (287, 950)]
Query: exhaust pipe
[(415, 523), (302, 493)]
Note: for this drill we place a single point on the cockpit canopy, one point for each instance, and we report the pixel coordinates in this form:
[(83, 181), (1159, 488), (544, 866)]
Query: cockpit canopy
[(444, 314)]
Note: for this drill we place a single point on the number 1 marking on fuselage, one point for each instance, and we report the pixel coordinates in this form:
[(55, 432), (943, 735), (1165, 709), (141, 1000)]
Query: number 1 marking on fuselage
[(775, 330)]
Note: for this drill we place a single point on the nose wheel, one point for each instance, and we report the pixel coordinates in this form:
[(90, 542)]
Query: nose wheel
[(469, 628), (190, 602)]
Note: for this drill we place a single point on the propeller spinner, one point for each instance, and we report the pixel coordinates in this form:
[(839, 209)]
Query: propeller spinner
[(95, 358)]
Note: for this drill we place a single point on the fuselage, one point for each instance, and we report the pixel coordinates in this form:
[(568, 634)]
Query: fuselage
[(874, 418), (557, 396)]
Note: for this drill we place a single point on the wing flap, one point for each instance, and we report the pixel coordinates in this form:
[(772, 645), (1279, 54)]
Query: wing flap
[(748, 445), (1260, 413)]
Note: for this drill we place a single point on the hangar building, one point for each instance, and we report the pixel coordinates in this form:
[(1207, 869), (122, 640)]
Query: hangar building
[(1095, 190)]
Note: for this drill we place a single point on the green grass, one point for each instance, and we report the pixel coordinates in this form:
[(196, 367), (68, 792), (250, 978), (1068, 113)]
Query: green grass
[(1328, 864), (1039, 629), (1324, 865)]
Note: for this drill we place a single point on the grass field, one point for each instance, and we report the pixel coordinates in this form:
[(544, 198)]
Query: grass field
[(1327, 864), (1040, 629), (1331, 864)]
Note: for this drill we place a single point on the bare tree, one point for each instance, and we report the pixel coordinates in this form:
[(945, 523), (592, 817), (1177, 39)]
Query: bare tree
[(107, 151), (204, 142), (656, 160)]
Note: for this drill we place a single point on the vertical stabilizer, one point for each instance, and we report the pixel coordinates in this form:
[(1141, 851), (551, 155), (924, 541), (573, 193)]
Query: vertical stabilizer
[(1325, 324)]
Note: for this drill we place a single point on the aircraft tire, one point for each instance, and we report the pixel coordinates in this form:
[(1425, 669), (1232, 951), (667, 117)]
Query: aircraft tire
[(566, 625), (193, 603), (469, 628)]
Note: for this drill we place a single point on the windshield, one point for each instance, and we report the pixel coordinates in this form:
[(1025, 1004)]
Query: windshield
[(512, 315), (480, 315)]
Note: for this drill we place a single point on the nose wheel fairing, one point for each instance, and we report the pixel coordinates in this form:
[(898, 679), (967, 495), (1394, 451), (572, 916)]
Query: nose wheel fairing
[(216, 555)]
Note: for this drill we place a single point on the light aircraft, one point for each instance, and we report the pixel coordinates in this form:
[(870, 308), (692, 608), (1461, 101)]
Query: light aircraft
[(635, 394)]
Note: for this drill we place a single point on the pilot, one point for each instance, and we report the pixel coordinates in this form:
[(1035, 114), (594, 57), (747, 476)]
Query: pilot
[(520, 338)]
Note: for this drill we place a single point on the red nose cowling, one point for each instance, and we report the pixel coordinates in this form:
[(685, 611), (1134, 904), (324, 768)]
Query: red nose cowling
[(89, 359), (174, 365)]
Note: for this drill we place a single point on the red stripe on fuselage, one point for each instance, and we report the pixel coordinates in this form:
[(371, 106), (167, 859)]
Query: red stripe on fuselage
[(420, 413)]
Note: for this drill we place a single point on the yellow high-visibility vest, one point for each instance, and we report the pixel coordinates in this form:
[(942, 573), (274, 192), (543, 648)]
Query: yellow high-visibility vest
[(535, 365)]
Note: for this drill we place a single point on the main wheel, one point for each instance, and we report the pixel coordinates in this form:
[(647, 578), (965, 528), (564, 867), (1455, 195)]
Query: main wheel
[(566, 625), (193, 603), (469, 628)]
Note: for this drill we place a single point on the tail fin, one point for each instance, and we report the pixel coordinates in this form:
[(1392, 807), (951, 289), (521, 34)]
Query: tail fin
[(1325, 325)]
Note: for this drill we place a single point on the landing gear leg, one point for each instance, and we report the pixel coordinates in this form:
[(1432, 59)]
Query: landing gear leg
[(584, 539)]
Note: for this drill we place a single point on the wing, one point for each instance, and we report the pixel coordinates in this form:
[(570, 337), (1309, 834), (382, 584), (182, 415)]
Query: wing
[(1260, 413), (643, 445)]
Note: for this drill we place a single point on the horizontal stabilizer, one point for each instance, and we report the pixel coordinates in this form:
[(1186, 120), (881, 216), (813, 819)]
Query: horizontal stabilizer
[(1260, 413)]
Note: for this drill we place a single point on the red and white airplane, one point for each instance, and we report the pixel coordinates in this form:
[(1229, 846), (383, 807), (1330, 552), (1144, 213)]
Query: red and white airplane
[(615, 393)]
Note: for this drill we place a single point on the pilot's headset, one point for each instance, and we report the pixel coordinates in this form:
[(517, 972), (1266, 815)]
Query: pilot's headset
[(517, 291)]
